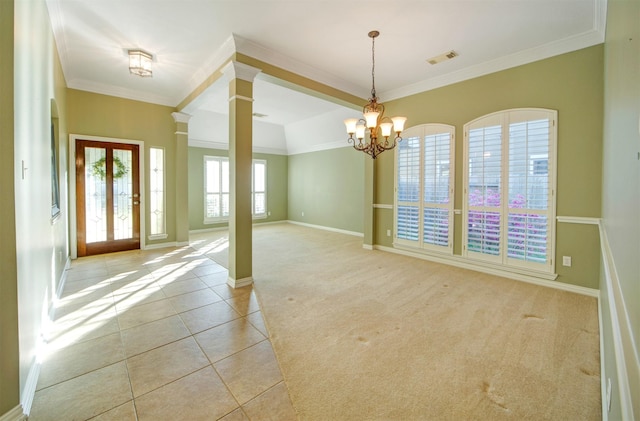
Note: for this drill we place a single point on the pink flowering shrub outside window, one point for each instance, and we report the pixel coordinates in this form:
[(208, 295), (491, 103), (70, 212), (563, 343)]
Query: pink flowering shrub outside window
[(526, 233)]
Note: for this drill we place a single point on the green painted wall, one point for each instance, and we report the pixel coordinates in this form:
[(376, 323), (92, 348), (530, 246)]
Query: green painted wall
[(570, 83), (328, 187), (39, 244), (277, 194), (108, 116), (9, 361), (621, 197)]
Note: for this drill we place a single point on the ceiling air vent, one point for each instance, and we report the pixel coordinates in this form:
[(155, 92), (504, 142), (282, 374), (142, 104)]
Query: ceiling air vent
[(442, 57), (258, 115)]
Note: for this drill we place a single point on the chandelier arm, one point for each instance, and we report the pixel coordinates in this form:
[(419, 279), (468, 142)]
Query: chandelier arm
[(373, 109)]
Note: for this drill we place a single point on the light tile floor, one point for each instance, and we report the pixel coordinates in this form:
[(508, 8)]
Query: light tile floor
[(158, 335)]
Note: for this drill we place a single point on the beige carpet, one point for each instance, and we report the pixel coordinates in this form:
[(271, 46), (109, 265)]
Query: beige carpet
[(369, 335)]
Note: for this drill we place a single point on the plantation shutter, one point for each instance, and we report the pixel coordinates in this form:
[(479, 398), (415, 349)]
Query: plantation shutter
[(212, 188), (436, 206), (484, 190), (528, 178), (258, 188), (509, 174), (408, 190), (424, 192), (216, 175)]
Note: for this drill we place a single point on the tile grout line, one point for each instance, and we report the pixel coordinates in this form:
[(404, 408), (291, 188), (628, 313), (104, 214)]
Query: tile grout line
[(125, 358)]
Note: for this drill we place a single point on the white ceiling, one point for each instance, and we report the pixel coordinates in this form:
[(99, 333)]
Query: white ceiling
[(325, 40)]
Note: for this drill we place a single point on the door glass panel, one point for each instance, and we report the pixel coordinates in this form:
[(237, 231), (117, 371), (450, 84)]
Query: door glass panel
[(122, 195), (95, 194)]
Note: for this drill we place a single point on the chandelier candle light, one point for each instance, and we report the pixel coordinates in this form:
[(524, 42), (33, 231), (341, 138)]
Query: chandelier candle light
[(374, 120)]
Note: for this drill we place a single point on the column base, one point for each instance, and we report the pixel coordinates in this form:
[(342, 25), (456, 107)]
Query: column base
[(239, 283)]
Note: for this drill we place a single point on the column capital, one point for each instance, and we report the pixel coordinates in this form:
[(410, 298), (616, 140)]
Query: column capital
[(237, 70), (181, 117)]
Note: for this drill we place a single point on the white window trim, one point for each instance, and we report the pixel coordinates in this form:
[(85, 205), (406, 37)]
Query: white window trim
[(73, 216), (422, 131), (219, 219), (253, 192), (504, 118), (225, 219), (161, 235)]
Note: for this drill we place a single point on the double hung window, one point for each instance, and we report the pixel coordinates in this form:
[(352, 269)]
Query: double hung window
[(216, 189), (259, 188)]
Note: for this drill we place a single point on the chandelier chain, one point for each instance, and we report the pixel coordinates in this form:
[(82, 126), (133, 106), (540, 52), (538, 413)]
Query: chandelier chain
[(373, 67), (375, 124)]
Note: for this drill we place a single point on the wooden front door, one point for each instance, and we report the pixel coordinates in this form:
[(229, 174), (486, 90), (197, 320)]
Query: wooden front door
[(107, 197)]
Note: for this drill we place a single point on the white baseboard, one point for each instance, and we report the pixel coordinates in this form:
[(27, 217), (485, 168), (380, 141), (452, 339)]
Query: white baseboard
[(459, 262), (58, 293), (16, 414), (205, 230), (29, 391), (165, 245), (603, 381), (322, 227), (226, 227), (63, 278), (626, 362), (239, 283)]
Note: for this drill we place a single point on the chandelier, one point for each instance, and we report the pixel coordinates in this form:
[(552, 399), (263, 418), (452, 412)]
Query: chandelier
[(140, 63), (374, 121)]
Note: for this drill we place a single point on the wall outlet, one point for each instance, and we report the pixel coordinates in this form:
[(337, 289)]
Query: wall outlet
[(302, 213), (388, 233), (566, 261), (269, 213)]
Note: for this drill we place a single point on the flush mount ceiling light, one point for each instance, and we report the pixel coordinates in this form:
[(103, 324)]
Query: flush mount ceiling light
[(140, 63), (374, 120)]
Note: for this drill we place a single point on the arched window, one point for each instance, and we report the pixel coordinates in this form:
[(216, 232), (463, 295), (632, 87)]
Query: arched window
[(424, 188), (509, 188)]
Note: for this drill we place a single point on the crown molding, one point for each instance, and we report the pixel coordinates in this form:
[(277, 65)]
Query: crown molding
[(214, 63), (224, 146), (99, 88), (56, 18), (236, 70), (237, 44), (181, 117), (577, 42), (318, 147), (259, 52)]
